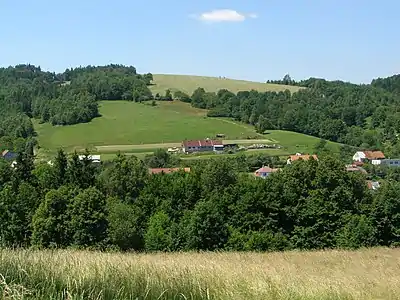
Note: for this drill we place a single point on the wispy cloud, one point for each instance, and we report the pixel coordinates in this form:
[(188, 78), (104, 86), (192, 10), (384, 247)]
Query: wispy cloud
[(224, 15)]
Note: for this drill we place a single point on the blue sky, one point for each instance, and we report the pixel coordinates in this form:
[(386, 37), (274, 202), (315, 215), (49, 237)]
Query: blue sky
[(351, 40)]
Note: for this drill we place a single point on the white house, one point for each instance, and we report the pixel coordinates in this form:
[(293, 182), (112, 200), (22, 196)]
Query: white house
[(359, 156)]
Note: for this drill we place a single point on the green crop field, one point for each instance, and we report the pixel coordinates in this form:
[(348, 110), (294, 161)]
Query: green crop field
[(188, 84), (140, 128)]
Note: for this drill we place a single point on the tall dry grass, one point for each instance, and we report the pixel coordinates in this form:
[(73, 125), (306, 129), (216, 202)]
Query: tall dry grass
[(364, 274)]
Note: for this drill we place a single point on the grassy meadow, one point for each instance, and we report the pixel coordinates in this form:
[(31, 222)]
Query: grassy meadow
[(68, 274), (188, 83), (139, 129), (129, 123)]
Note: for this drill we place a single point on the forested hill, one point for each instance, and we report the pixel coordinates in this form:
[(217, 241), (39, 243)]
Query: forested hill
[(61, 99), (365, 116), (391, 84)]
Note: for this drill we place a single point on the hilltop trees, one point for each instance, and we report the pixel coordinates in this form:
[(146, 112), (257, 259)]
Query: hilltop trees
[(63, 99)]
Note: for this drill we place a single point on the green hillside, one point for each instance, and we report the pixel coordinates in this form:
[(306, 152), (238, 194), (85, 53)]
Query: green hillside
[(188, 83), (140, 128)]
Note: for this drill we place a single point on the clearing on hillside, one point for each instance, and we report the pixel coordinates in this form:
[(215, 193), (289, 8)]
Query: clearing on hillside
[(141, 128), (129, 123), (188, 83)]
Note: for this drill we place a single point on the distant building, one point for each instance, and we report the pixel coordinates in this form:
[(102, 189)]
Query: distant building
[(93, 158), (167, 170), (8, 155), (202, 146), (362, 156), (264, 172), (373, 185), (395, 162), (300, 156)]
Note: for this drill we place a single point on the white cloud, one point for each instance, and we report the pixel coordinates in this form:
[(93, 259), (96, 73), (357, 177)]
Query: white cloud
[(224, 15)]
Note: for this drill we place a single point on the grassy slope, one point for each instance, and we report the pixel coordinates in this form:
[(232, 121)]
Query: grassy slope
[(133, 127), (188, 84), (125, 123), (364, 274)]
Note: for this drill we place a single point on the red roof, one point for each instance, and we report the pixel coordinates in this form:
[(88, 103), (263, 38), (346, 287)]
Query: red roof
[(303, 157), (353, 168), (265, 170), (202, 143), (374, 155), (167, 170)]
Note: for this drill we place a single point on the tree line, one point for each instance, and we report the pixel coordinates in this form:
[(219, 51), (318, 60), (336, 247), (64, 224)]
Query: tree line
[(216, 206)]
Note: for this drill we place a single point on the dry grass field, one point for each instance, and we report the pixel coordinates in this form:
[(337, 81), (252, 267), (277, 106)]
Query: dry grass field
[(68, 274), (188, 83)]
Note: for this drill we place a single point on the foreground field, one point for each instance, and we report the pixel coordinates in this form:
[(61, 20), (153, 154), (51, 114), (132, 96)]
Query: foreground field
[(366, 274), (188, 83), (140, 129)]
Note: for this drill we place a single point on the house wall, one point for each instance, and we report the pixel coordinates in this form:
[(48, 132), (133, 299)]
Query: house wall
[(391, 162), (10, 156), (359, 156), (262, 174)]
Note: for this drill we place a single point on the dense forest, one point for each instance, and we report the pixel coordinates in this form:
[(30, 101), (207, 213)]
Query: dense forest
[(120, 205)]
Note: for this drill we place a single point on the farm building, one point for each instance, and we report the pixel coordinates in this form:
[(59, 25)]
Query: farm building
[(264, 172), (299, 156), (395, 162), (202, 146), (8, 155), (362, 156), (167, 170)]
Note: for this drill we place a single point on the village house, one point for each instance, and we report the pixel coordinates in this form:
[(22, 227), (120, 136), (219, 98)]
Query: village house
[(300, 156), (8, 155), (264, 172), (167, 170), (363, 156), (202, 146)]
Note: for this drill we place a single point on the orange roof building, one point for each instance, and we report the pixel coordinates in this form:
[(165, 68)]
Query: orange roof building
[(167, 170), (299, 156)]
